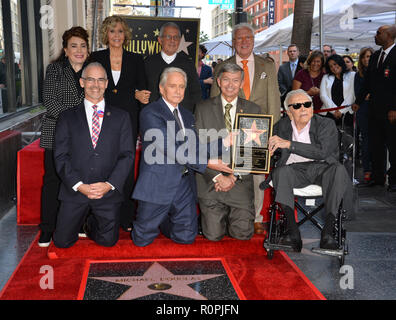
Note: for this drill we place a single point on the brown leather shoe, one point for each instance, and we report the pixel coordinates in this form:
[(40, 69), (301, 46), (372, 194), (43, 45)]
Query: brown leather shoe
[(259, 228)]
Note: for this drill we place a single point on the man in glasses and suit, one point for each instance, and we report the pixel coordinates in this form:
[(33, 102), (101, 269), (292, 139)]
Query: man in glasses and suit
[(171, 56), (93, 155), (309, 155)]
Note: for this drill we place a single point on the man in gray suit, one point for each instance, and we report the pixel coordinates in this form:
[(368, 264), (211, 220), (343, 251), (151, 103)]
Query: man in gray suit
[(260, 87), (309, 155), (288, 70), (226, 201)]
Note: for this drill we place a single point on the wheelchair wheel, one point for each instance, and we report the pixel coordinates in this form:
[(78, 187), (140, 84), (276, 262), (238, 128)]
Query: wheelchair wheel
[(270, 254)]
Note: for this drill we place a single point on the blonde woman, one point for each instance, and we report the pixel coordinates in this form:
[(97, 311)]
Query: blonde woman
[(126, 89)]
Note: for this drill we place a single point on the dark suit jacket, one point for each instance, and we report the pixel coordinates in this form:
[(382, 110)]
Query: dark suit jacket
[(162, 163), (285, 78), (76, 159), (381, 84), (324, 140), (155, 65), (60, 92), (206, 72), (132, 78), (209, 115)]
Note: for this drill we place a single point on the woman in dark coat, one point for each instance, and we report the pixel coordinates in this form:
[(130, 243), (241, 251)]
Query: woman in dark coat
[(126, 90), (61, 91)]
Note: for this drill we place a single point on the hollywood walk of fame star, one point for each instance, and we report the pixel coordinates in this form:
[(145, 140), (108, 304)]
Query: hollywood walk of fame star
[(156, 32), (253, 134), (145, 35), (159, 279), (184, 45)]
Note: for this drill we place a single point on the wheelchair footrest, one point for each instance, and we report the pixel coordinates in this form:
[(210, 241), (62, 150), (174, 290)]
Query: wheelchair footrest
[(328, 252), (272, 246)]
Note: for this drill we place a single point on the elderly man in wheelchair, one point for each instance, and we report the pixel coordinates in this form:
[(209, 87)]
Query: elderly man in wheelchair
[(309, 148)]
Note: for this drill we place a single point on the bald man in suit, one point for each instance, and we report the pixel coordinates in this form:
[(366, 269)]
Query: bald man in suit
[(260, 87)]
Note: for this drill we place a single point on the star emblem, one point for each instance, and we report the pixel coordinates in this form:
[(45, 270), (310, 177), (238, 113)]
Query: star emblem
[(184, 45), (159, 279), (145, 35), (253, 134), (156, 32)]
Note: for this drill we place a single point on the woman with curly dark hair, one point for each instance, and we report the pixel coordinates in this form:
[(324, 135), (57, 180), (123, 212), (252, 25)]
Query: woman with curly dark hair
[(61, 91)]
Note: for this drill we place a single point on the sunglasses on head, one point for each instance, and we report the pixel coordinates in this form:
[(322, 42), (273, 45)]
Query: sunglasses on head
[(297, 106)]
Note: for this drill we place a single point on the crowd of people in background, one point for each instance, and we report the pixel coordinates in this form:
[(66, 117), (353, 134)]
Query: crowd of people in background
[(146, 90)]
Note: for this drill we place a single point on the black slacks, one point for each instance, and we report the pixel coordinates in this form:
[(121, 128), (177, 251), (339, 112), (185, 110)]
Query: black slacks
[(103, 223), (49, 193), (333, 178)]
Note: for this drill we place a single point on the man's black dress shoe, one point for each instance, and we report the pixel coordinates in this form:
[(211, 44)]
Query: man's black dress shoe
[(292, 239), (391, 188), (327, 240)]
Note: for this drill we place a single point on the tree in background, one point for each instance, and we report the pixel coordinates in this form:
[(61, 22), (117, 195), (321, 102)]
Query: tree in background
[(302, 25)]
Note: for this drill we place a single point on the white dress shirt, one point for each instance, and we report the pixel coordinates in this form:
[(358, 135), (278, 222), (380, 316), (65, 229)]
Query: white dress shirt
[(89, 112), (172, 108), (168, 59)]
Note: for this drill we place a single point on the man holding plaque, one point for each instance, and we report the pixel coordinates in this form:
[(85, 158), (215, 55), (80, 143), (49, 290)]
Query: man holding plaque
[(309, 155), (260, 86), (226, 201)]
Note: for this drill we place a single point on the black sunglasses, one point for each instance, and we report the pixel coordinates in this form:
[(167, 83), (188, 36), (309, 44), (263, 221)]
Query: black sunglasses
[(297, 106)]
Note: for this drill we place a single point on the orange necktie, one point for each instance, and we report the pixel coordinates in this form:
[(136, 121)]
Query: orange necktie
[(246, 83)]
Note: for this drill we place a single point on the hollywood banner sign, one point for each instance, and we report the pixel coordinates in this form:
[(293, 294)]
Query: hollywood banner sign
[(145, 33)]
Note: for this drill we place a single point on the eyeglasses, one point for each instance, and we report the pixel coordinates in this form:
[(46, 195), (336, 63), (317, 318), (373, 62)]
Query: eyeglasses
[(169, 37), (240, 39), (297, 106), (93, 80)]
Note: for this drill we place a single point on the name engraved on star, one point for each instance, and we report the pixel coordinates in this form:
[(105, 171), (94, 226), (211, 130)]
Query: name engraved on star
[(250, 151)]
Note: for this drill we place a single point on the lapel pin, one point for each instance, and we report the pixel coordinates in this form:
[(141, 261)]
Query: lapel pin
[(108, 114)]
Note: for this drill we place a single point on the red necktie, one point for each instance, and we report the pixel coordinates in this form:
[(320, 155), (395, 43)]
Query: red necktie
[(95, 126)]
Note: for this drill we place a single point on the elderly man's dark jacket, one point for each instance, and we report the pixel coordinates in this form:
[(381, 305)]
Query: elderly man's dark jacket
[(324, 140)]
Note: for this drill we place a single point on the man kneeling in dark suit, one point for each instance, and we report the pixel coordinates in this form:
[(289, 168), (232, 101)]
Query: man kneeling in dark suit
[(171, 153), (310, 155), (93, 155)]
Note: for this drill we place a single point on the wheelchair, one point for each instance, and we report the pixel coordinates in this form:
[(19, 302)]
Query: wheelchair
[(277, 224)]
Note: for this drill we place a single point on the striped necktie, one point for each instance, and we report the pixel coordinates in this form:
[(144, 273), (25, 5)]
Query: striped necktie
[(95, 126), (227, 117)]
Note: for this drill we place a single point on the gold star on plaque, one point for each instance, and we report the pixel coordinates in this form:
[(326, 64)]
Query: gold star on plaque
[(156, 33), (253, 134)]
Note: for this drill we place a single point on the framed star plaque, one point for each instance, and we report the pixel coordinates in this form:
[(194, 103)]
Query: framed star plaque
[(250, 150)]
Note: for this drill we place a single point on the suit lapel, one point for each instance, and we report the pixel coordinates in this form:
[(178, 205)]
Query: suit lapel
[(219, 114), (83, 123), (107, 66), (258, 69), (70, 78)]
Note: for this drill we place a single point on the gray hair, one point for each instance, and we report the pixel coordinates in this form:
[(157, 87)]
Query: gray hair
[(293, 93), (169, 25), (92, 65), (242, 26), (232, 68), (167, 71)]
